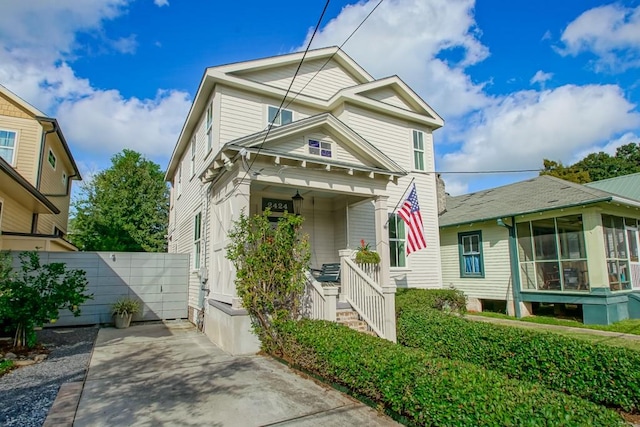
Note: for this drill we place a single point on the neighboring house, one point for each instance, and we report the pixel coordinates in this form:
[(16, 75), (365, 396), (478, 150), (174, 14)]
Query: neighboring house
[(36, 171), (348, 144), (546, 240)]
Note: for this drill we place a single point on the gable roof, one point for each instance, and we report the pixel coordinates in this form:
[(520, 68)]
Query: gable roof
[(265, 143), (539, 194), (625, 186), (44, 121), (231, 75)]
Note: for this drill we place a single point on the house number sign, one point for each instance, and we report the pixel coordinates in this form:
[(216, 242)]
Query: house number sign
[(276, 205)]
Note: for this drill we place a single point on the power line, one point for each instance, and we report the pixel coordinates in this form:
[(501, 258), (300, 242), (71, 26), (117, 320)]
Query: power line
[(334, 53), (270, 126)]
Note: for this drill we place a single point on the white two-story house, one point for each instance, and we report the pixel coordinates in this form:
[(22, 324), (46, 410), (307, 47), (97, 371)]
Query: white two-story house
[(347, 143)]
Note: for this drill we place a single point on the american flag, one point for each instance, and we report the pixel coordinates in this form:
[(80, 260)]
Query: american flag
[(410, 213)]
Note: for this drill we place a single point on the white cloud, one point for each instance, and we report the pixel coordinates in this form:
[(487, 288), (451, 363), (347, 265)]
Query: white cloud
[(38, 41), (541, 77), (111, 122), (609, 147), (611, 32), (521, 129), (161, 3), (410, 38)]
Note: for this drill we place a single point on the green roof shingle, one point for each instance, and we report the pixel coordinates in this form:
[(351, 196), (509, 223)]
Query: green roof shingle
[(626, 186)]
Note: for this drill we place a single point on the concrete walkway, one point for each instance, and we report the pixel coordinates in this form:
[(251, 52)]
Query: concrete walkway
[(169, 374), (531, 325)]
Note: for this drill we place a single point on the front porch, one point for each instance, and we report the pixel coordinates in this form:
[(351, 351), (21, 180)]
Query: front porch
[(340, 208)]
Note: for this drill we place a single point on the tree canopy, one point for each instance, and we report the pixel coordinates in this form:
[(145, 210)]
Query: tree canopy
[(597, 166), (123, 208)]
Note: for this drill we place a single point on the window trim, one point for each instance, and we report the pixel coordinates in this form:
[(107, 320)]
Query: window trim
[(278, 122), (209, 127), (320, 142), (398, 220), (463, 273), (192, 166), (1, 212), (419, 151), (64, 179), (179, 182), (15, 146), (197, 241), (55, 159)]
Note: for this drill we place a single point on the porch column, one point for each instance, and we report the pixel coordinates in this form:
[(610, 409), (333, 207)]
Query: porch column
[(239, 203), (382, 240), (594, 245)]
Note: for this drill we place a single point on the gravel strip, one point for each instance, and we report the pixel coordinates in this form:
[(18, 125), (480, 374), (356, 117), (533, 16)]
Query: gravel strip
[(28, 392)]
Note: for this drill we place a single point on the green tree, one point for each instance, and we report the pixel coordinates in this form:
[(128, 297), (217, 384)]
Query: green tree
[(270, 262), (568, 173), (36, 293), (123, 208), (597, 166)]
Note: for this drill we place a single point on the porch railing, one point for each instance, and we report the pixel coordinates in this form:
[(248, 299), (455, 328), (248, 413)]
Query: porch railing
[(374, 304), (319, 302)]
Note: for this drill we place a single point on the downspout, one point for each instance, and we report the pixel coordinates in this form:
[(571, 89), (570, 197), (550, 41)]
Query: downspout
[(43, 140)]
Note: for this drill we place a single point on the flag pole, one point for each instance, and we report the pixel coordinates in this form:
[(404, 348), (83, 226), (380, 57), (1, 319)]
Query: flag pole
[(399, 201)]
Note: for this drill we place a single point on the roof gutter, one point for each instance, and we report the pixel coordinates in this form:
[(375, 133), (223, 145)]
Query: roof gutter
[(553, 208)]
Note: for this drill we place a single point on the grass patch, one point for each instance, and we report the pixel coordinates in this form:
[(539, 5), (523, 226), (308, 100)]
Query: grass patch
[(5, 366), (629, 326)]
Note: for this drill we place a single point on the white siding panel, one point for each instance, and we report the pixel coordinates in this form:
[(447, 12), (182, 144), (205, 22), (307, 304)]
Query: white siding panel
[(388, 96), (495, 250), (324, 85)]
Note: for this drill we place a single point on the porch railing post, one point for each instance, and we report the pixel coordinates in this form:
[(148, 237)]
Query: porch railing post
[(382, 240), (389, 293), (330, 306), (344, 277)]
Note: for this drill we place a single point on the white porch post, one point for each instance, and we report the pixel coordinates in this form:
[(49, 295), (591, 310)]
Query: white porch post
[(330, 308), (382, 240), (388, 288), (344, 279), (239, 203)]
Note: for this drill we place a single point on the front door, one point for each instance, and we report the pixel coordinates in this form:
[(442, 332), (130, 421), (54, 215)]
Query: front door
[(633, 240)]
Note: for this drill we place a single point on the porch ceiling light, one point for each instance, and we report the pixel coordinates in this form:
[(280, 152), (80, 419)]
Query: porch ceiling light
[(297, 203)]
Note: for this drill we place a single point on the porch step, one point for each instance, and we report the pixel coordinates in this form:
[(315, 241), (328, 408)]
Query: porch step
[(351, 319)]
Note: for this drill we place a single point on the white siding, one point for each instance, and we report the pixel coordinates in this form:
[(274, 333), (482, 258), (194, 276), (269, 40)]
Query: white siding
[(324, 85), (394, 138), (362, 224), (298, 145), (496, 283), (388, 96)]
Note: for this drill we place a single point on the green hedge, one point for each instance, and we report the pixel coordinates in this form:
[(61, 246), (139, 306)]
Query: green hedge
[(602, 374), (440, 299), (425, 391)]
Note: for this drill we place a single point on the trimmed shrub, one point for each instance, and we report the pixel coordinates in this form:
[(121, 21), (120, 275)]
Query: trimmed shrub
[(450, 300), (602, 374), (421, 390)]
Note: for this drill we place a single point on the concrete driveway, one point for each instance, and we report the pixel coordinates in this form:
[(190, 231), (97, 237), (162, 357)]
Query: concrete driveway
[(169, 374)]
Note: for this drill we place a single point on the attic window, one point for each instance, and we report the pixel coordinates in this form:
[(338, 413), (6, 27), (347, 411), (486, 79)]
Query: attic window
[(285, 116), (320, 148), (52, 159)]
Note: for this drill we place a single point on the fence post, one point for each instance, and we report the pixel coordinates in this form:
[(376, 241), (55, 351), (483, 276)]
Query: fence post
[(389, 293), (330, 303)]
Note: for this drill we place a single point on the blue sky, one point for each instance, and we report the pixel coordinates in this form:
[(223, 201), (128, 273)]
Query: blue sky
[(516, 82)]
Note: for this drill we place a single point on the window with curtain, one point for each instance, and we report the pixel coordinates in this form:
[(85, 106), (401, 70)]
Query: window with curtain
[(470, 251)]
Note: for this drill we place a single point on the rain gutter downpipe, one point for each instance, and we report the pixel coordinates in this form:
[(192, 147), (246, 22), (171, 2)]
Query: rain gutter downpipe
[(515, 270)]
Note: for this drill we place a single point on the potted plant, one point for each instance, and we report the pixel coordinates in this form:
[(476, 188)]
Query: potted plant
[(364, 255), (123, 310)]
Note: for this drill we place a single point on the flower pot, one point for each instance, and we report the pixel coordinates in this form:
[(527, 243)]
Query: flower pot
[(123, 320)]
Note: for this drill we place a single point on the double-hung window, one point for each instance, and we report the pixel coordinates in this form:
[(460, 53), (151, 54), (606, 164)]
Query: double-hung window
[(193, 157), (470, 250), (209, 127), (279, 119), (197, 238), (418, 150), (7, 145), (397, 241)]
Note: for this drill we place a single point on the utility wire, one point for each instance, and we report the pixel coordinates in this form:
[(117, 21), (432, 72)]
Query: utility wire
[(333, 54), (270, 126)]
